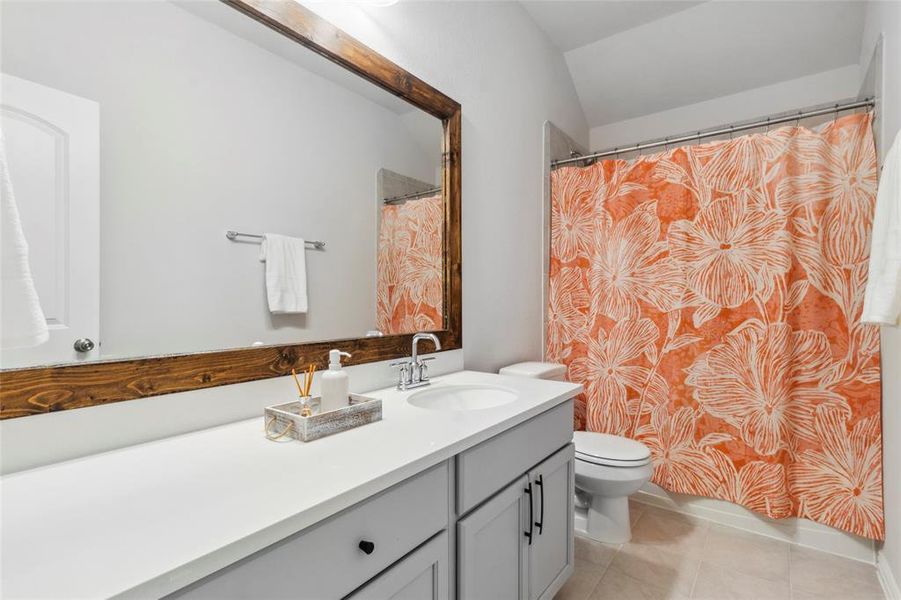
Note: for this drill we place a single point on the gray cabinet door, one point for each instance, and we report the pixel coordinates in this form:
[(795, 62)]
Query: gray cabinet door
[(551, 559), (420, 576), (492, 547)]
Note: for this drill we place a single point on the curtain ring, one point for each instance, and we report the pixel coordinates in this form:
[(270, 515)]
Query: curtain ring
[(767, 125), (616, 153), (835, 114), (731, 131), (666, 144), (698, 143), (798, 120)]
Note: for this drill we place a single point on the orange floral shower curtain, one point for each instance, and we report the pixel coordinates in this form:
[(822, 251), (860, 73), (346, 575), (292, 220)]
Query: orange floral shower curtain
[(708, 298), (410, 279)]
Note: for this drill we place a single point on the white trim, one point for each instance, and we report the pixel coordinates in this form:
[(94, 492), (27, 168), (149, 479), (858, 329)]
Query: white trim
[(801, 532), (887, 578)]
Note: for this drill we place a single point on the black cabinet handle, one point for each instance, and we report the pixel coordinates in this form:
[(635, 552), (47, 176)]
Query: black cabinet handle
[(367, 547), (528, 533), (540, 522)]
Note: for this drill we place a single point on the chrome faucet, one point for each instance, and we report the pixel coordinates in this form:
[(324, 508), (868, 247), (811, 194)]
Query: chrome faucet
[(414, 373)]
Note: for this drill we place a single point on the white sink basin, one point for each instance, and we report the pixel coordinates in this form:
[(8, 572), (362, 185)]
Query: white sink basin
[(463, 397)]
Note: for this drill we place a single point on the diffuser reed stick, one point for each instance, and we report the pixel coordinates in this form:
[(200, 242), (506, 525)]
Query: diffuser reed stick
[(297, 383), (309, 378)]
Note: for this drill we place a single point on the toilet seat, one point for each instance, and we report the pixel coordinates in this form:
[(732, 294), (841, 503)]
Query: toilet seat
[(610, 450)]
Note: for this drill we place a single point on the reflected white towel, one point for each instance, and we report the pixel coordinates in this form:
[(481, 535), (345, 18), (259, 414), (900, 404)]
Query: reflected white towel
[(286, 273), (22, 321), (882, 299)]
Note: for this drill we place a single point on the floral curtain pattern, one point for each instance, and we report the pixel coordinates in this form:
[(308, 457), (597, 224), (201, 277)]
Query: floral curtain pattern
[(410, 270), (708, 298)]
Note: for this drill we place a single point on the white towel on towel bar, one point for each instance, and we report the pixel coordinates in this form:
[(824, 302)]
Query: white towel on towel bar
[(22, 322), (882, 299), (286, 273)]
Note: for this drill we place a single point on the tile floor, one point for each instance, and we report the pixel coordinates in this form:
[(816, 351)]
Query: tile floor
[(673, 556)]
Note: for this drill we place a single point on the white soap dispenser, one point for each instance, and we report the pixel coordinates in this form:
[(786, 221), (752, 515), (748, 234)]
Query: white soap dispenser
[(334, 383)]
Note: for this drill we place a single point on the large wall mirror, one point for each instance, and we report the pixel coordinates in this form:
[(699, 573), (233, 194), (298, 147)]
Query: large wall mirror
[(212, 192)]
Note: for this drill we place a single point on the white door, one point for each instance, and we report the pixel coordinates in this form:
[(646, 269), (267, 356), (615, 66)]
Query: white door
[(53, 147)]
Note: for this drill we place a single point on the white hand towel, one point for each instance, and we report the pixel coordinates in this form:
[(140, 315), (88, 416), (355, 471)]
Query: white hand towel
[(882, 299), (22, 321), (286, 273)]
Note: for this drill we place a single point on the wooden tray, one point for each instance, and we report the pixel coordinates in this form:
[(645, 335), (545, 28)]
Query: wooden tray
[(284, 420)]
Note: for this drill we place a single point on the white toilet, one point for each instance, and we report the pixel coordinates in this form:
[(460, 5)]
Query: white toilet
[(609, 468)]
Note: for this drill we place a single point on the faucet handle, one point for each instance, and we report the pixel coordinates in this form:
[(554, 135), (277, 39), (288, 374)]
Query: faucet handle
[(404, 366), (424, 369), (404, 373)]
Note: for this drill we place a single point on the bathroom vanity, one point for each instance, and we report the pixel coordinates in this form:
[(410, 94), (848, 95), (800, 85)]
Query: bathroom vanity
[(427, 503)]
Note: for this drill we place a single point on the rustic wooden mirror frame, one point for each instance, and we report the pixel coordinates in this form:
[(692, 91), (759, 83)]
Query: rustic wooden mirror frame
[(32, 391)]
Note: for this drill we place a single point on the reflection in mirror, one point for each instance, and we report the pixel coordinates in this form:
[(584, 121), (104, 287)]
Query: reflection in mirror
[(410, 283), (137, 134)]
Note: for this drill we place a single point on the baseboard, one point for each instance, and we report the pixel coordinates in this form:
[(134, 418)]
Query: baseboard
[(887, 578), (795, 531)]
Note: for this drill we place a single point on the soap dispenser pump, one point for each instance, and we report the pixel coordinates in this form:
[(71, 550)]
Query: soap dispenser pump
[(334, 384)]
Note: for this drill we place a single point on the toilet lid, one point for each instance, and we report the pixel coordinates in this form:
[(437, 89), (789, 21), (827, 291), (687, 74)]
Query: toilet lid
[(611, 450), (535, 370)]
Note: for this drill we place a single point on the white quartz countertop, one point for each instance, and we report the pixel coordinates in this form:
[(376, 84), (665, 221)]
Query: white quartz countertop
[(147, 520)]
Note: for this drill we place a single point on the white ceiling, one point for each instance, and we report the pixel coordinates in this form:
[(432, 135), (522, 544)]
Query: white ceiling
[(633, 58), (574, 23)]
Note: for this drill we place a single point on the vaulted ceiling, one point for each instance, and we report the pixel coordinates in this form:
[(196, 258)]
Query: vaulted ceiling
[(633, 58)]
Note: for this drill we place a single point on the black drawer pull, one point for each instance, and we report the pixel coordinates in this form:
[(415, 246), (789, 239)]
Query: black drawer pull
[(540, 522), (367, 547), (528, 533)]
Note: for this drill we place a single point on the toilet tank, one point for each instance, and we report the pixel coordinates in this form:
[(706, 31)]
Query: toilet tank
[(536, 370)]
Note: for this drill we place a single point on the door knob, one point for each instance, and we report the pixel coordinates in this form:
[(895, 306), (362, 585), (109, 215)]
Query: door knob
[(83, 345)]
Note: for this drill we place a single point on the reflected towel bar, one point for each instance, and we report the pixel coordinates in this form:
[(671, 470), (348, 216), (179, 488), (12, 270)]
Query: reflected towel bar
[(234, 234)]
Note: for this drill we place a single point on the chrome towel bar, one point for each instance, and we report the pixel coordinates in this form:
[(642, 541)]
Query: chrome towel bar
[(232, 235)]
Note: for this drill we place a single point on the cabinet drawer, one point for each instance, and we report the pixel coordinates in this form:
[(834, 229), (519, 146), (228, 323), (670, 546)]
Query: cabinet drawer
[(325, 561), (420, 576), (488, 467)]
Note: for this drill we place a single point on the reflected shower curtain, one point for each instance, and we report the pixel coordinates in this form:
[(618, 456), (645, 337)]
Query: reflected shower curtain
[(708, 298), (410, 279)]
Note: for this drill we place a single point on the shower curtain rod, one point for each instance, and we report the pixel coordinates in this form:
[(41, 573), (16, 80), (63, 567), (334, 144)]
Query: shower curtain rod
[(413, 196), (868, 103)]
